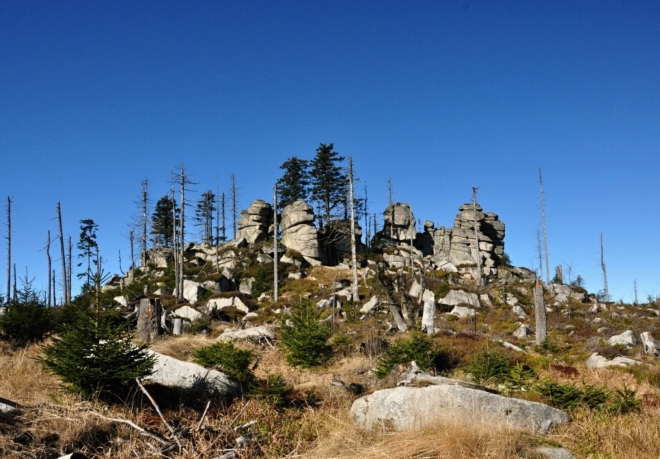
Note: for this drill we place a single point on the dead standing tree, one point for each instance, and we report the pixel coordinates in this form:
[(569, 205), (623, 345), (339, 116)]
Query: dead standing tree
[(602, 265), (183, 181), (356, 296), (545, 231), (8, 248), (65, 289)]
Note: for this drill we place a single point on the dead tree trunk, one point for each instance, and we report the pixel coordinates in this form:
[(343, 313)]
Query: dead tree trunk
[(70, 273), (65, 289), (477, 253), (149, 317), (559, 274), (234, 204), (539, 310), (602, 265), (144, 201), (356, 295), (275, 253), (48, 302), (545, 231), (428, 318), (8, 248)]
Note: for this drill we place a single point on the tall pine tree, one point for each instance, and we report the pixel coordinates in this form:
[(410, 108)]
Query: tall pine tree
[(162, 221), (87, 246), (327, 179), (294, 184)]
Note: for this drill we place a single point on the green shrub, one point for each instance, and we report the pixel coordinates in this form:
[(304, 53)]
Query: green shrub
[(274, 389), (490, 366), (418, 347), (569, 396), (263, 282), (95, 356), (27, 318), (200, 325), (234, 362), (305, 337)]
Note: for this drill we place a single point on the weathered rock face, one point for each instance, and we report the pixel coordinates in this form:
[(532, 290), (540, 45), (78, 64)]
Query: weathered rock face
[(596, 360), (161, 257), (191, 290), (627, 338), (463, 243), (399, 226), (412, 407), (255, 222), (298, 230)]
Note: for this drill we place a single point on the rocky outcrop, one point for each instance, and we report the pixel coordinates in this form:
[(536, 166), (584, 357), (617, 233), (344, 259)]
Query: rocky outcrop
[(254, 334), (651, 346), (406, 408), (399, 227), (627, 338), (463, 242), (255, 222), (191, 290), (298, 230)]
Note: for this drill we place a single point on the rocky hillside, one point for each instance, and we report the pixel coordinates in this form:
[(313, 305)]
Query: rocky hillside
[(427, 348)]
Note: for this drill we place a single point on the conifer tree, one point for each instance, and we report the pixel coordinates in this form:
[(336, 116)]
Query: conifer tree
[(327, 180), (204, 215), (87, 246), (27, 318), (294, 184), (162, 221)]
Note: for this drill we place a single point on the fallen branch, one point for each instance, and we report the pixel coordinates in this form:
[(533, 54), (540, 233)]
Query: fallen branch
[(167, 424), (144, 432), (199, 424), (239, 413)]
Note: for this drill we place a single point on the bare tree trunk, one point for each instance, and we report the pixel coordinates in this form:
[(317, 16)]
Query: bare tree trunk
[(602, 264), (559, 273), (276, 285), (428, 318), (175, 241), (177, 326), (545, 231), (49, 270), (15, 283), (65, 289), (234, 204), (539, 249), (8, 248), (149, 316), (224, 219), (356, 295), (69, 284), (54, 290), (539, 309), (144, 220), (635, 285), (131, 239), (182, 231), (367, 239), (217, 227), (477, 252)]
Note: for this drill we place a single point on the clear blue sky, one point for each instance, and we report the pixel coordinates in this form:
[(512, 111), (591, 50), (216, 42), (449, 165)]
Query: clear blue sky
[(440, 96)]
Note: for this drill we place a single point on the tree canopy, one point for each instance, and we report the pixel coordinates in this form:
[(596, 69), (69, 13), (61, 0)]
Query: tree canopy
[(328, 182), (204, 210), (294, 184), (165, 216)]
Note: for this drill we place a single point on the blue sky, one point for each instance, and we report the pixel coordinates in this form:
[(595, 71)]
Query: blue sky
[(440, 96)]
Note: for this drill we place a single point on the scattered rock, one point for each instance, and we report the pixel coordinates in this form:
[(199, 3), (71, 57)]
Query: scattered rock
[(255, 334), (651, 346), (369, 305), (188, 313), (524, 331), (172, 372), (627, 338), (596, 360), (455, 297), (462, 311), (191, 291), (218, 304), (554, 453), (405, 408), (520, 312)]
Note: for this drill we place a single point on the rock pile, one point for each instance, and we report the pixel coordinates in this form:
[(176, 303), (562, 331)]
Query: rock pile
[(298, 230), (255, 222)]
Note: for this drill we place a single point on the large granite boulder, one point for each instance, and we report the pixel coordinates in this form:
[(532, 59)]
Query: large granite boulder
[(406, 408), (298, 230), (191, 290), (172, 372), (255, 222)]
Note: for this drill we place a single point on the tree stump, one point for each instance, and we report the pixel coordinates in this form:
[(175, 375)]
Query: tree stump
[(149, 316)]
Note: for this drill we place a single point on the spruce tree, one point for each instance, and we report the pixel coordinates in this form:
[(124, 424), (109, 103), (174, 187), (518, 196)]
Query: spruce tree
[(294, 184), (204, 215), (327, 179), (162, 221), (87, 246), (26, 318), (95, 355), (305, 337)]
